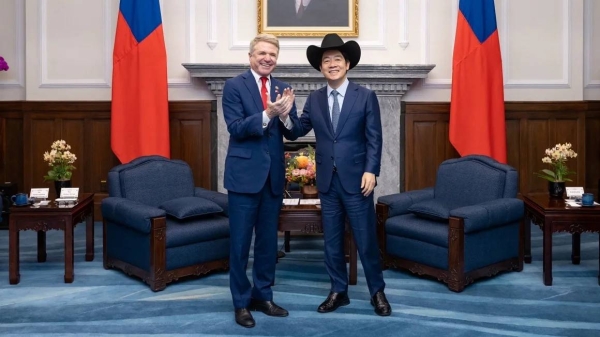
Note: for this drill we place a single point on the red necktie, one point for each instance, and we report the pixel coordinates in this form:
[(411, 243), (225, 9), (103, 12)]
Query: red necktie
[(263, 91)]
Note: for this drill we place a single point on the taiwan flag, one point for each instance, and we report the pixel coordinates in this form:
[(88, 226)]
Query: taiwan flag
[(477, 122), (140, 111)]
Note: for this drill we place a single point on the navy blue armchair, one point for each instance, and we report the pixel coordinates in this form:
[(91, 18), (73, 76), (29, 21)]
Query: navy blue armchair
[(466, 227), (159, 227)]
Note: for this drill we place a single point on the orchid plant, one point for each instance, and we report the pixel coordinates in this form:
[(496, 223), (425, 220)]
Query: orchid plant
[(557, 157), (3, 64), (61, 160)]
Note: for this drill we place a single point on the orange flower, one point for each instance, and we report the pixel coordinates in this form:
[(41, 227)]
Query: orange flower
[(302, 161)]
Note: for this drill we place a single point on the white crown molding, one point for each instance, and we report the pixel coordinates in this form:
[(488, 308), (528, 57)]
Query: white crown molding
[(565, 81), (45, 82), (212, 25), (588, 82), (19, 63), (301, 44), (403, 19)]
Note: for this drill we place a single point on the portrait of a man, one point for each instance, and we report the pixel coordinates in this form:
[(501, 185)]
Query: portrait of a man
[(308, 17), (308, 13)]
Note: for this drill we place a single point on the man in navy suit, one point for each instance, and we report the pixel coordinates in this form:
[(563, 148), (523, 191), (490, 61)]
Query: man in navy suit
[(258, 110), (347, 126)]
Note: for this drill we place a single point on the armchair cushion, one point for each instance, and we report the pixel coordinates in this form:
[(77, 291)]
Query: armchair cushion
[(400, 202), (490, 214), (132, 214), (187, 207), (216, 197), (431, 209)]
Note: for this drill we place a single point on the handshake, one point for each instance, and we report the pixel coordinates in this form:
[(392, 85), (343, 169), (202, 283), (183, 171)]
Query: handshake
[(282, 105)]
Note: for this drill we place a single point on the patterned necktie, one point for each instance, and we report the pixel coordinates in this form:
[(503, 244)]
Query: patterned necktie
[(335, 110), (263, 91)]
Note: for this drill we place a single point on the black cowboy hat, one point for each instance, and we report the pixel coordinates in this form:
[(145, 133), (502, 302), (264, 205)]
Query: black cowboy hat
[(351, 49)]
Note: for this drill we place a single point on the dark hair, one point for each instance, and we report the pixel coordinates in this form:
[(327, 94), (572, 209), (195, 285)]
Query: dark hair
[(344, 55)]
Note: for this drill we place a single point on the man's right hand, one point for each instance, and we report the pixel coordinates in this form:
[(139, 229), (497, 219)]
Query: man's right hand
[(283, 104)]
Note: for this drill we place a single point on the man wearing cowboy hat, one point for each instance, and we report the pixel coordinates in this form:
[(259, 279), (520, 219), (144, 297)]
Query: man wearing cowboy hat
[(347, 125)]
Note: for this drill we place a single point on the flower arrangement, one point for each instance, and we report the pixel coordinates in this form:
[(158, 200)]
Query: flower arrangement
[(3, 64), (61, 160), (557, 157), (301, 168)]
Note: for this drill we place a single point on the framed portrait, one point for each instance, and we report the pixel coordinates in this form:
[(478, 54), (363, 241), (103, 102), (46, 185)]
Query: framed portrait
[(308, 18)]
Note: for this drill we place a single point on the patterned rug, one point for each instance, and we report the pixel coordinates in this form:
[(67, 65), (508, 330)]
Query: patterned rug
[(106, 302)]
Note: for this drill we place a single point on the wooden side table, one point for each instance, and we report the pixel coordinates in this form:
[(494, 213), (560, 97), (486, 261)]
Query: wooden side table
[(553, 215), (49, 217), (307, 219)]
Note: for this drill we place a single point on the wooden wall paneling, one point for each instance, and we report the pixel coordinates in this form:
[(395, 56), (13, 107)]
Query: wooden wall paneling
[(592, 148), (513, 141), (192, 140), (531, 128), (426, 143), (11, 147)]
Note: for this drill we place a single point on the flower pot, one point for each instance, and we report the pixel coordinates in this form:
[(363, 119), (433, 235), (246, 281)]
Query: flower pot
[(59, 184), (309, 192), (556, 189)]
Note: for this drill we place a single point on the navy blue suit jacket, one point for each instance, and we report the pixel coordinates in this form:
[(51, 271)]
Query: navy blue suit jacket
[(253, 153), (355, 147)]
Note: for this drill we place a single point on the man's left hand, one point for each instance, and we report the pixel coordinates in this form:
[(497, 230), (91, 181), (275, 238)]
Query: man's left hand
[(368, 183)]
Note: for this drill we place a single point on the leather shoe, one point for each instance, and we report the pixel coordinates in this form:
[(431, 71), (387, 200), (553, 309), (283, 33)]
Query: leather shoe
[(244, 318), (268, 308), (381, 304), (334, 301)]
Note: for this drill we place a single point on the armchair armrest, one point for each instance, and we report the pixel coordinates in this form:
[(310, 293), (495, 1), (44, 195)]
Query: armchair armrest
[(132, 214), (216, 197), (399, 203), (490, 214)]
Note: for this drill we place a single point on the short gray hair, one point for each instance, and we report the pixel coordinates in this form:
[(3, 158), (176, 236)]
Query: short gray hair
[(269, 38)]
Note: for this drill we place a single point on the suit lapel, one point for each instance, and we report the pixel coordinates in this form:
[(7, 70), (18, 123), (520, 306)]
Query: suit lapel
[(324, 100), (250, 83), (349, 99)]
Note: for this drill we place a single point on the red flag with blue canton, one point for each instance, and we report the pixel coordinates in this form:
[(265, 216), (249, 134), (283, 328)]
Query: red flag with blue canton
[(477, 122), (140, 104)]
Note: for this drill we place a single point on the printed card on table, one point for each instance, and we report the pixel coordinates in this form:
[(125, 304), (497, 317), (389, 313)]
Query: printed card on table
[(69, 192), (39, 193)]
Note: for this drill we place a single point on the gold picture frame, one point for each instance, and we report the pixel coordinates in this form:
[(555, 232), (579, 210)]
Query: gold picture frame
[(320, 17)]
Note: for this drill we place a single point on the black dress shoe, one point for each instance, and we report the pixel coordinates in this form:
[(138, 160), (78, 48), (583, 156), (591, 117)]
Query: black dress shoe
[(268, 308), (244, 318), (381, 304), (334, 301)]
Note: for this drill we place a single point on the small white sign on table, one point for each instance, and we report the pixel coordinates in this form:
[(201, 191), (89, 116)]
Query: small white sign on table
[(574, 192), (39, 193), (69, 192)]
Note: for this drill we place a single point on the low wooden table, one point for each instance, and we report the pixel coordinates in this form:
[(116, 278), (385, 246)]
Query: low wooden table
[(553, 215), (49, 217), (307, 219)]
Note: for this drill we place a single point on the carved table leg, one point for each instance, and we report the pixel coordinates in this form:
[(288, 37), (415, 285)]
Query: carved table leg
[(89, 238), (527, 256), (13, 253), (41, 246), (576, 248), (547, 253), (69, 251), (287, 241)]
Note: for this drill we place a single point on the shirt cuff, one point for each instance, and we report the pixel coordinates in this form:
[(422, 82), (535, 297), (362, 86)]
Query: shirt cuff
[(265, 119), (288, 123)]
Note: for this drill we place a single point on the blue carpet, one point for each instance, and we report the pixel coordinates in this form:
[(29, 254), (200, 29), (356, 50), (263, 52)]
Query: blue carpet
[(107, 302)]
